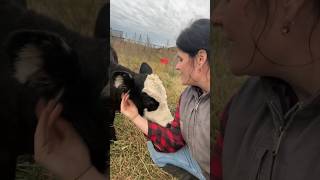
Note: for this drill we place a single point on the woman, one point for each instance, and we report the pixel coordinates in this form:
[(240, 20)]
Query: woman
[(270, 128), (188, 136)]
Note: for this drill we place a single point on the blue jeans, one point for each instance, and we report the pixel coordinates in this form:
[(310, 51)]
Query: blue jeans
[(181, 158)]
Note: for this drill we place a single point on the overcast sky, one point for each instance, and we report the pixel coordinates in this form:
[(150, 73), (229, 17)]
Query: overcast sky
[(161, 20)]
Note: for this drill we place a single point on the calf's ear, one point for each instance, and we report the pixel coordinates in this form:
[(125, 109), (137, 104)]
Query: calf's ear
[(122, 80), (41, 60), (113, 56), (145, 68)]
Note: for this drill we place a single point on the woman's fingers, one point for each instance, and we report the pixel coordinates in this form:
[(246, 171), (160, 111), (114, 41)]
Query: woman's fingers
[(41, 105), (122, 102), (130, 102), (46, 116), (41, 130), (53, 118), (124, 99), (55, 114), (64, 129)]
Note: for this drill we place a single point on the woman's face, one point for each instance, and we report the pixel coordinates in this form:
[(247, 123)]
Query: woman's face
[(230, 14), (257, 44), (185, 66)]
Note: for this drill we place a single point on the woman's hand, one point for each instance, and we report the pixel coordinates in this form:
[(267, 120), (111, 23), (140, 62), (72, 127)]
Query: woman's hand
[(128, 108), (57, 145)]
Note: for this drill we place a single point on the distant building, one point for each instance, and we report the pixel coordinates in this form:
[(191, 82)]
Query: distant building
[(116, 34)]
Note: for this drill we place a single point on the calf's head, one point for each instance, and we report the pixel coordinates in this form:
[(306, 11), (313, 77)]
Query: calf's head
[(145, 90), (47, 65)]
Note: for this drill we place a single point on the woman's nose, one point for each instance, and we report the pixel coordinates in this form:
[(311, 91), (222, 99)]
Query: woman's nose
[(177, 66)]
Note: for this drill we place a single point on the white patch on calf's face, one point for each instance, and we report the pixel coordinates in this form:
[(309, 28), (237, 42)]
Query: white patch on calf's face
[(28, 62), (65, 46), (118, 81), (154, 88)]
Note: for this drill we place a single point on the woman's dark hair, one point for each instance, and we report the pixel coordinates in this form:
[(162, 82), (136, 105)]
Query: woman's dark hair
[(195, 37)]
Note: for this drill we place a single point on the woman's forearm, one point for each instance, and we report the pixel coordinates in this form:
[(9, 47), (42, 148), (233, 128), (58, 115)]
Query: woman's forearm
[(141, 123)]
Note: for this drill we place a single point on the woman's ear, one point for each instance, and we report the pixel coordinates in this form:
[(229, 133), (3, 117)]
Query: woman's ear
[(202, 58)]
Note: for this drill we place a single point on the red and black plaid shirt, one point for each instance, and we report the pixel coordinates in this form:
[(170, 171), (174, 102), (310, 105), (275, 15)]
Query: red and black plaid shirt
[(167, 139)]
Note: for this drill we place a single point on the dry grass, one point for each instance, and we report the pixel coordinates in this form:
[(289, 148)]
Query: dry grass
[(28, 170), (129, 156)]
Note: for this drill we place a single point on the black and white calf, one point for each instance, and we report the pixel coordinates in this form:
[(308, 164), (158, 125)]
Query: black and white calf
[(146, 91), (40, 57)]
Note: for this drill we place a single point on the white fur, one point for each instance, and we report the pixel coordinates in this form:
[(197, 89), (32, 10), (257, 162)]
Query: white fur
[(154, 88), (118, 81), (65, 46), (28, 62)]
